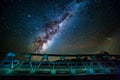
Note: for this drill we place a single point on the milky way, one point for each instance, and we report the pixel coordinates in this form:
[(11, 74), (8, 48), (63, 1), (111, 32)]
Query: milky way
[(59, 26), (52, 28)]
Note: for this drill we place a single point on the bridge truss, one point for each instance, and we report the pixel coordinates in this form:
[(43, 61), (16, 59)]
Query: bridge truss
[(23, 64)]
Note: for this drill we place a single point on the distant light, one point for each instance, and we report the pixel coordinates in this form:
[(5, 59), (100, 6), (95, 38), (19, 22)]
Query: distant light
[(10, 54), (109, 38)]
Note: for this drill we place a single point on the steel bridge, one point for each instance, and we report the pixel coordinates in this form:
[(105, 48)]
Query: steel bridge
[(62, 65)]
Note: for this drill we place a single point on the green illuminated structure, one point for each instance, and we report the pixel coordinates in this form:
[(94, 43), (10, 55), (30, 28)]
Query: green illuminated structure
[(63, 65)]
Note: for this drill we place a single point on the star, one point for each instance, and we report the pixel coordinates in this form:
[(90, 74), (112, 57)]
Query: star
[(28, 16), (36, 28), (31, 32)]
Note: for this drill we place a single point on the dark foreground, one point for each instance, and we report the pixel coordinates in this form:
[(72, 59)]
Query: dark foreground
[(81, 77)]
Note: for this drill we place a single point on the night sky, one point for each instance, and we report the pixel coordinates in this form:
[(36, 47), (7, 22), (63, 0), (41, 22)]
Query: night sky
[(93, 27)]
